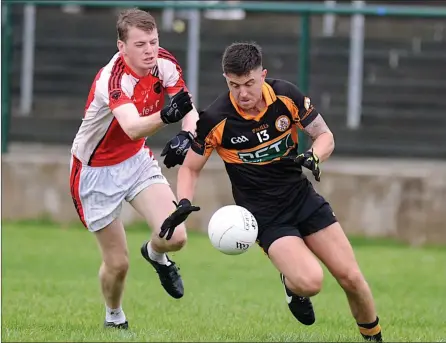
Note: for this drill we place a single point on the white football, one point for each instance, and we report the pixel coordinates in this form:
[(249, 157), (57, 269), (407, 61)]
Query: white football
[(232, 230)]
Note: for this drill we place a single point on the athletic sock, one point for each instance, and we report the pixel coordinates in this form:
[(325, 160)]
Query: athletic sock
[(371, 331), (115, 315), (161, 258)]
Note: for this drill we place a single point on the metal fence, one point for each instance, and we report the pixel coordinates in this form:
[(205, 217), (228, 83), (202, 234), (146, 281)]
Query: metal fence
[(32, 77)]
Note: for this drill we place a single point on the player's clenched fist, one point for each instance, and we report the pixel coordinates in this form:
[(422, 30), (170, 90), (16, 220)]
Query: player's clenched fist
[(180, 105)]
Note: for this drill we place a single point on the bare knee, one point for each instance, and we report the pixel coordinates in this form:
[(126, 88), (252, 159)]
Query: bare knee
[(177, 242), (117, 266), (351, 280), (303, 273), (308, 284), (113, 245)]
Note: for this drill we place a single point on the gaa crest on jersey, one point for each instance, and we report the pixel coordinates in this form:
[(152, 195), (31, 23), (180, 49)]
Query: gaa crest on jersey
[(283, 123), (157, 87), (115, 94)]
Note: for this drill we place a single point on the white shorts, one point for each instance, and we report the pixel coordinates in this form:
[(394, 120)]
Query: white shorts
[(98, 192)]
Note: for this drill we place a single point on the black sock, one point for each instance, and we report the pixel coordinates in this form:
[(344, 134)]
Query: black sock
[(371, 331)]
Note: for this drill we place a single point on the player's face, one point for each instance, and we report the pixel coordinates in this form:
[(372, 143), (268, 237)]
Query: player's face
[(247, 89), (140, 49)]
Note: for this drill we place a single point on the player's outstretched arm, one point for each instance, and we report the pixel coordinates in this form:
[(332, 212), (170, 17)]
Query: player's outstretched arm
[(137, 127), (188, 174), (187, 180), (189, 122)]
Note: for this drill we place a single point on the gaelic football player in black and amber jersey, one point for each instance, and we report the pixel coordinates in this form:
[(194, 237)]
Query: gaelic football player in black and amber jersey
[(253, 128)]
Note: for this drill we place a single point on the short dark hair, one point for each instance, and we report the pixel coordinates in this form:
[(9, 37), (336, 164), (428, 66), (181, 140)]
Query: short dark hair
[(134, 17), (241, 58)]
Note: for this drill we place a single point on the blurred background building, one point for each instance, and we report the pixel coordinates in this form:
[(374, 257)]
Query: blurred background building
[(378, 80), (403, 95)]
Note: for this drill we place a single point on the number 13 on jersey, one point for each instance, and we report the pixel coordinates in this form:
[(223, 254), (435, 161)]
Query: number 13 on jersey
[(263, 136)]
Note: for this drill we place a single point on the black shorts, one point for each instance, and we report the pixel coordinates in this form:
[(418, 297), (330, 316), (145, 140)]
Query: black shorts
[(312, 214)]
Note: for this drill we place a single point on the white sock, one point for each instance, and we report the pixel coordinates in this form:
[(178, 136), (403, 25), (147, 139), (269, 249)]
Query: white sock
[(161, 258), (116, 315)]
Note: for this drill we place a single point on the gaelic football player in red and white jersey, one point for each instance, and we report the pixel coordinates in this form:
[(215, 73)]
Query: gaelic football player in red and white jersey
[(111, 163)]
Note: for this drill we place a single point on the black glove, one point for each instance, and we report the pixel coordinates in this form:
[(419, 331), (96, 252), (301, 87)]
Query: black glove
[(177, 148), (184, 208), (308, 160), (180, 105)]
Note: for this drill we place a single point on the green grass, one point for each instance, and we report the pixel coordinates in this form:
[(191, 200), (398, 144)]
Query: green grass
[(50, 292)]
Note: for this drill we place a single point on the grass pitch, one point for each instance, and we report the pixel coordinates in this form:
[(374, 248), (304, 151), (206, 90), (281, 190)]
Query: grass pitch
[(50, 292)]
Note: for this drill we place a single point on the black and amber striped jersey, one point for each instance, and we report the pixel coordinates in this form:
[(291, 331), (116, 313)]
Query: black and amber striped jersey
[(252, 146)]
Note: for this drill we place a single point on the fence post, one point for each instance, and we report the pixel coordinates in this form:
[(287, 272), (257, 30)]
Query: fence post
[(28, 49), (6, 73), (355, 69), (193, 54), (304, 69)]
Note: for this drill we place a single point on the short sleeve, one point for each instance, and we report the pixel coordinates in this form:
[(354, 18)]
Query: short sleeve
[(306, 112), (170, 72), (117, 97), (113, 90), (120, 92), (208, 135)]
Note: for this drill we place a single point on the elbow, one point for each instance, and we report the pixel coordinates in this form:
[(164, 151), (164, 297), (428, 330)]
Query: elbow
[(133, 133), (131, 129), (332, 141), (189, 172), (325, 143), (134, 136)]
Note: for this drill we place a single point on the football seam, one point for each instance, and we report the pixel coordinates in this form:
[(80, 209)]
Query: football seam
[(223, 234)]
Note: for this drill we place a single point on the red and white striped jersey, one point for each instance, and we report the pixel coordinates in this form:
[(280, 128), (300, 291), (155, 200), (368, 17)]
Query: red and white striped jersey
[(100, 140)]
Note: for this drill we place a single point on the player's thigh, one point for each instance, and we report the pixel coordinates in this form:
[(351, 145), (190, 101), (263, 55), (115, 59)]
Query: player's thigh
[(96, 196), (291, 257), (330, 244), (153, 198), (155, 204), (113, 245)]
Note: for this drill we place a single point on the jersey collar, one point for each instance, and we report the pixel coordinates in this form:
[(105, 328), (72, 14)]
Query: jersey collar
[(130, 70), (268, 95)]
